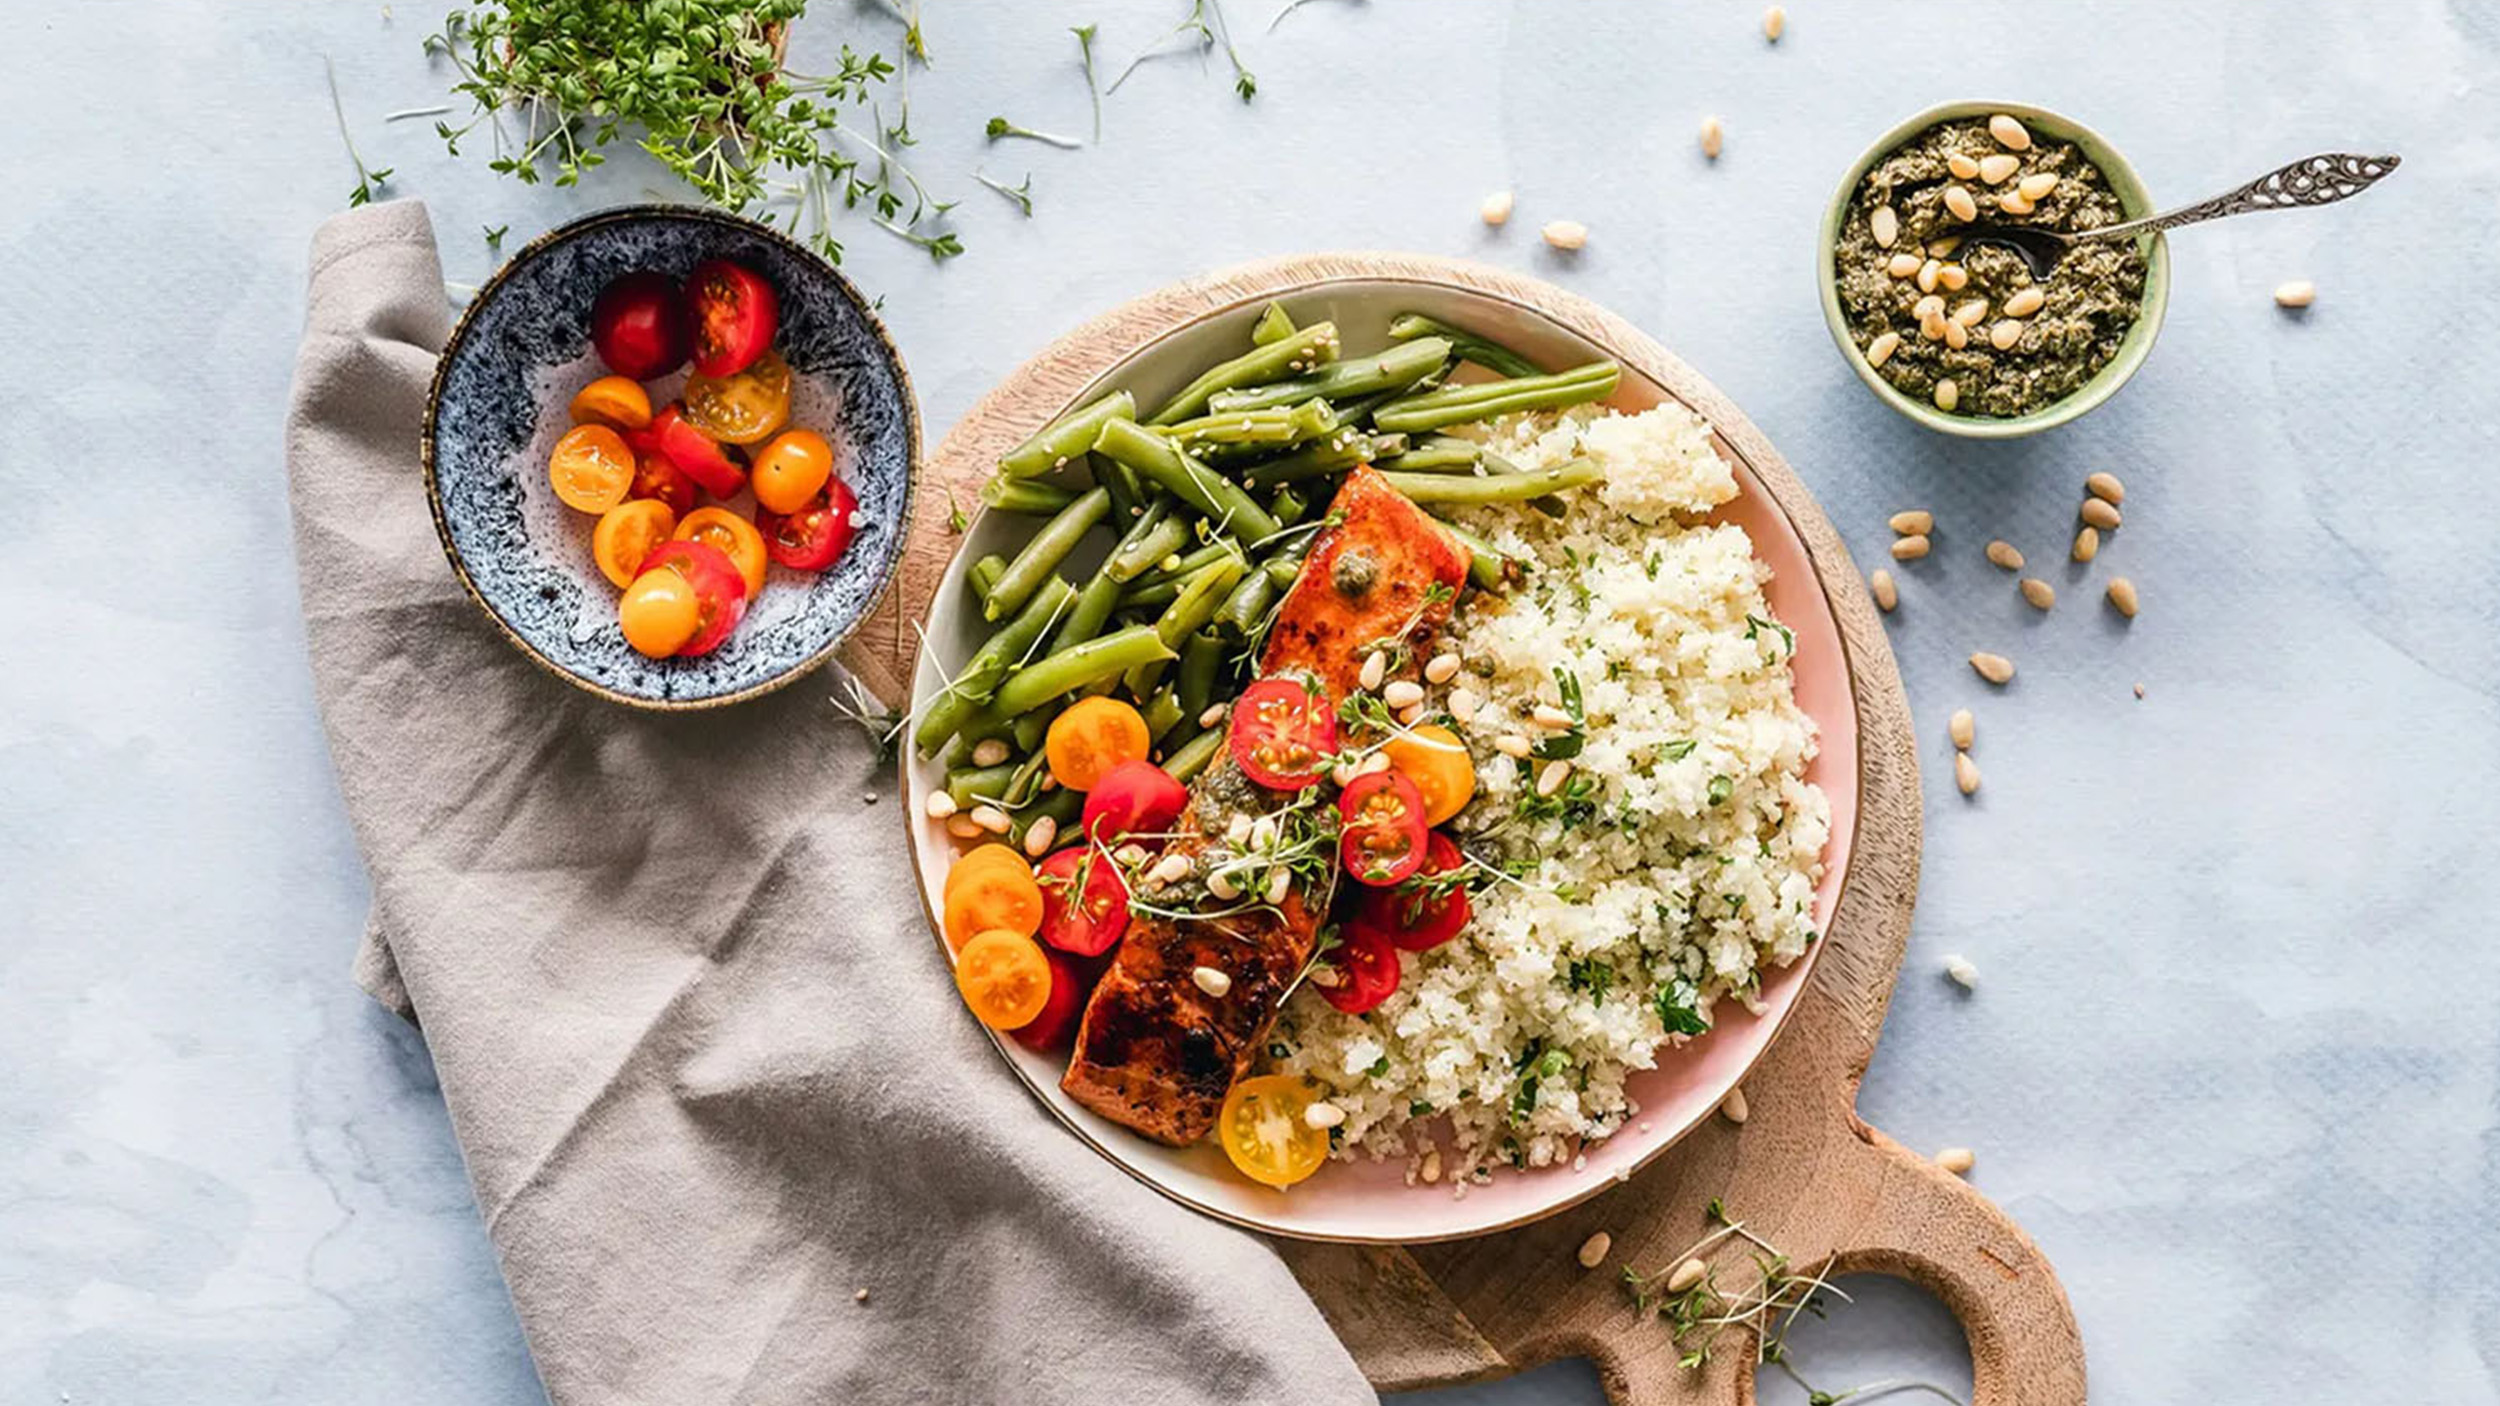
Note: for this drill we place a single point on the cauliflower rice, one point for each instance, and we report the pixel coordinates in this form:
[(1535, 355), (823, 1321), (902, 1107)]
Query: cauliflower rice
[(1678, 859)]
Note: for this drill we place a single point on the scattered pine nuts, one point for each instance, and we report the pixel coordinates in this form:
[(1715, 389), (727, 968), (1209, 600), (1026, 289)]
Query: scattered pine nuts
[(1549, 717), (1953, 278), (1962, 728), (1909, 548), (2122, 599), (1402, 693), (1713, 136), (1885, 225), (2012, 203), (1930, 306), (2037, 187), (1903, 264), (1170, 869), (1511, 744), (1375, 668), (1496, 208), (2299, 293), (1912, 522), (1966, 773), (992, 819), (1963, 973), (2002, 553), (1956, 335), (1323, 1115), (1441, 668), (1932, 327), (941, 805), (1213, 715), (962, 828), (2087, 544), (2106, 486), (1962, 167), (1886, 595), (859, 1296), (1039, 835), (1995, 668), (2010, 134), (1957, 200), (2100, 513), (1593, 1250), (1211, 981), (1551, 777), (1733, 1108), (2005, 333), (1928, 273), (2040, 593), (1957, 1160), (1462, 704), (1948, 395), (1971, 312), (2025, 301), (1943, 248), (1774, 24), (1277, 885), (989, 752), (1881, 349), (1565, 234), (1431, 1170), (1686, 1276), (1995, 169)]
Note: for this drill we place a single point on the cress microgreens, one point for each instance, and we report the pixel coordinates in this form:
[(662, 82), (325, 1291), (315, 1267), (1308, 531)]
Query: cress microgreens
[(1093, 90), (1000, 129), (1197, 24), (1021, 194), (368, 181)]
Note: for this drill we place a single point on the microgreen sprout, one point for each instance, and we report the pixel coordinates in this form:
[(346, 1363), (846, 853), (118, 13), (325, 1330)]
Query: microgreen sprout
[(941, 246), (1000, 129), (1093, 89), (1197, 27), (494, 237), (369, 182), (1021, 194)]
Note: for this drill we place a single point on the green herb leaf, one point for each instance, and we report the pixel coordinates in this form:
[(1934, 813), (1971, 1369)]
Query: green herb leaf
[(1679, 1008)]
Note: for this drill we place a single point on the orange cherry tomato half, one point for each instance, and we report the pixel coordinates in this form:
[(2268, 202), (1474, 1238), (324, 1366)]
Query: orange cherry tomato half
[(1004, 978), (816, 536), (735, 314), (1434, 759), (591, 468), (720, 592), (626, 535), (1381, 835), (789, 471), (993, 897), (1366, 968), (735, 538), (1093, 736), (1265, 1131), (618, 402), (1084, 901), (743, 408), (661, 613), (973, 861), (1283, 731), (696, 454), (656, 478)]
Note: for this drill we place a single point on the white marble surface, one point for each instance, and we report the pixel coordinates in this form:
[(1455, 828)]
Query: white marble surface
[(2232, 1058)]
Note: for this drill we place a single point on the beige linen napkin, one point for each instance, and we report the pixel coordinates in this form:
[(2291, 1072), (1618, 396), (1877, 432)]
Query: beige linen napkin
[(710, 1080)]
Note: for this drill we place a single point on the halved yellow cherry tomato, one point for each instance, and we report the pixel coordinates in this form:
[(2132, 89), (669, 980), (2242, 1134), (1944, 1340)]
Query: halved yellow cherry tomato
[(1437, 762), (626, 534), (1004, 978), (591, 468), (618, 402), (993, 896), (1093, 736), (660, 612), (973, 860), (1263, 1129), (735, 536), (790, 471), (743, 408)]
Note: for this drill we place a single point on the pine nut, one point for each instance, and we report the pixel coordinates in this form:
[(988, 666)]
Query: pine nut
[(1956, 335), (2023, 302), (1431, 1169), (1903, 264), (1943, 248), (1496, 208), (1963, 973), (1911, 522), (1213, 715), (1995, 668), (1930, 306), (1129, 856), (1885, 224), (1932, 327), (1957, 1160), (1462, 704), (1971, 311), (962, 828), (1593, 1250), (1411, 714), (1511, 744), (1441, 668), (1953, 278), (1565, 234), (941, 805), (2012, 203), (1342, 774), (1966, 773), (1686, 1276), (1263, 833), (2100, 513), (1216, 983), (1909, 548), (1277, 884), (1962, 167), (1546, 715), (1774, 24), (2010, 134), (1994, 169), (1948, 395), (2003, 554), (1957, 200), (1221, 885), (1377, 761), (2299, 293), (1927, 275), (1323, 1115), (1375, 668), (2087, 544), (1962, 728), (1403, 693), (2037, 187), (1713, 136), (2122, 596), (1881, 349), (992, 819), (2106, 486), (989, 752), (1550, 779), (1039, 835), (2040, 593), (2005, 334), (1170, 869), (1886, 594), (1733, 1108)]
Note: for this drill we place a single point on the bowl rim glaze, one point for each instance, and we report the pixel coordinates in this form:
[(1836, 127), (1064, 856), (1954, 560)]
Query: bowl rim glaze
[(701, 214), (2132, 349)]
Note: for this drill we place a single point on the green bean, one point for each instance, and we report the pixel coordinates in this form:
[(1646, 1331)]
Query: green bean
[(1066, 437), (1023, 495), (1202, 658), (1190, 758), (1042, 555), (1452, 405), (1447, 453), (1469, 490), (1144, 550), (1272, 428), (1275, 325), (1162, 713), (1126, 496), (1223, 501), (1392, 369), (1333, 455), (1247, 605), (1287, 356), (1190, 611), (1073, 668), (1281, 571), (1031, 730), (1490, 355), (980, 676), (981, 785), (1487, 568), (1063, 806), (1154, 597), (1286, 506), (1089, 614), (985, 573), (1199, 559)]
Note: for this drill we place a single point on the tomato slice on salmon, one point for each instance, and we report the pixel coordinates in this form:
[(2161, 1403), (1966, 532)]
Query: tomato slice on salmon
[(1427, 908), (1283, 732), (1367, 970), (1071, 981), (1381, 837), (1133, 798), (1084, 901)]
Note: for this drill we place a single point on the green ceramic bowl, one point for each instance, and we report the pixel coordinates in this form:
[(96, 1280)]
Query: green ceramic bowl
[(2131, 352)]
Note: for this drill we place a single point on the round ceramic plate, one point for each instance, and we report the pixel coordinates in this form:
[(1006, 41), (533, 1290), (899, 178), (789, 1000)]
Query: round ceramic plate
[(1372, 1201), (498, 405)]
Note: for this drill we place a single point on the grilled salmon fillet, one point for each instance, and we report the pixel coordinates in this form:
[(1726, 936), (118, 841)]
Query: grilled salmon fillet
[(1155, 1052)]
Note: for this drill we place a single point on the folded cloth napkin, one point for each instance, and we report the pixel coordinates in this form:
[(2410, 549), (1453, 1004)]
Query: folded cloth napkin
[(734, 1136)]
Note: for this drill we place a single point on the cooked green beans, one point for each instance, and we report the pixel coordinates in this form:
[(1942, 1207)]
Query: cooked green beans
[(1066, 437), (1335, 454), (1487, 568), (1191, 610), (1191, 757), (1304, 349), (1247, 605), (1490, 355), (1471, 490), (1023, 495), (1222, 500), (1483, 400), (1091, 612), (981, 786), (1184, 567), (1049, 547), (1162, 713), (1202, 659), (1393, 369), (1275, 325), (985, 573), (1063, 807), (1274, 427), (978, 681), (1286, 506), (1073, 668), (1444, 453), (1143, 551)]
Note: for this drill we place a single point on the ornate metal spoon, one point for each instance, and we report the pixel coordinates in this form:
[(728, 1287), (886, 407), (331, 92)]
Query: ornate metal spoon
[(2313, 180)]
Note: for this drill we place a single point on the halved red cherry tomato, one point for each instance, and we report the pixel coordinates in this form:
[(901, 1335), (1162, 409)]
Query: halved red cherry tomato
[(1071, 981), (1084, 901), (720, 592), (735, 314), (814, 537), (1367, 970), (702, 458), (660, 480), (1420, 914), (639, 326), (1133, 798), (736, 537), (1283, 731), (1381, 837)]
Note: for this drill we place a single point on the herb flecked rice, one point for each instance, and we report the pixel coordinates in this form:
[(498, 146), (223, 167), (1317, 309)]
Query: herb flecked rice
[(1679, 858)]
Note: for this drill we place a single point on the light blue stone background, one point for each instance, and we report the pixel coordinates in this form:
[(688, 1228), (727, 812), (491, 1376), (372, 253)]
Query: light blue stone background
[(2232, 1058)]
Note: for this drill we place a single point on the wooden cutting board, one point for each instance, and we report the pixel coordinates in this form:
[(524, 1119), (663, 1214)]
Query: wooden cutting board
[(1803, 1171)]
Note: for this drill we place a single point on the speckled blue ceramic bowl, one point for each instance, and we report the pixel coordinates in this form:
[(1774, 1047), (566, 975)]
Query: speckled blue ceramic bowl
[(498, 405)]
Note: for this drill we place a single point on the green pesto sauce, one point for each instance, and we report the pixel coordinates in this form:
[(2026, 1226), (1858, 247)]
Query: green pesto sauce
[(2092, 298)]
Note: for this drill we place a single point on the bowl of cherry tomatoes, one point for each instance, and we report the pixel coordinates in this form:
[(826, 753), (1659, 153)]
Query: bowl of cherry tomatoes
[(670, 453)]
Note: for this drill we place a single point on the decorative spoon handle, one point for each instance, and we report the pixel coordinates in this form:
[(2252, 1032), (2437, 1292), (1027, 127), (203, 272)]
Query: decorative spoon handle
[(2312, 180)]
